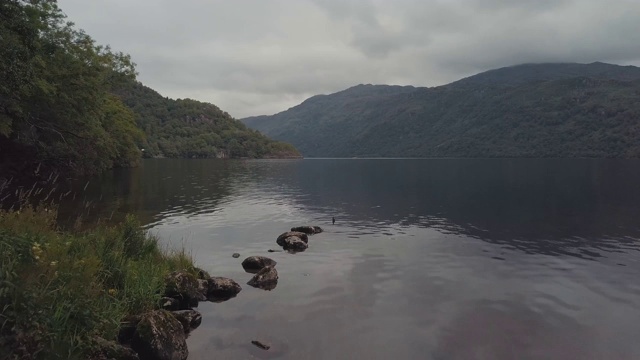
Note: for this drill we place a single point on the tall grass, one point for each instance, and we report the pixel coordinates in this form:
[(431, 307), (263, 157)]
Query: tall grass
[(61, 290)]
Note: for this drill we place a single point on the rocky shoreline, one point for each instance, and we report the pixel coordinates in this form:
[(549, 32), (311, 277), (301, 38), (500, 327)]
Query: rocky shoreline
[(161, 334)]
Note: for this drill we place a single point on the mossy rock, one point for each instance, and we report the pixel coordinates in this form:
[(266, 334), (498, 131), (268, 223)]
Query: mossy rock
[(110, 350), (183, 286), (160, 336)]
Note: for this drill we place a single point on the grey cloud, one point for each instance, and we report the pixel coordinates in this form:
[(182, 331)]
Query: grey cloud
[(252, 57)]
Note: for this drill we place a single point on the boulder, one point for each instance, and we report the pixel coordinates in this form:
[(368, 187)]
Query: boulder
[(308, 229), (160, 336), (182, 286), (235, 255), (253, 264), (111, 350), (294, 243), (302, 236), (190, 319), (221, 289), (266, 279), (168, 303), (203, 289), (202, 274)]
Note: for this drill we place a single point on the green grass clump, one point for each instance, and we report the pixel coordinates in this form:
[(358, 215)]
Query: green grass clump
[(61, 290)]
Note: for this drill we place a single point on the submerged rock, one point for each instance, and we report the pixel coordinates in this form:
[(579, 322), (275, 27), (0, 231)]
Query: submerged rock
[(261, 345), (235, 255), (302, 236), (308, 229), (266, 279), (253, 264), (221, 289), (160, 336), (190, 319)]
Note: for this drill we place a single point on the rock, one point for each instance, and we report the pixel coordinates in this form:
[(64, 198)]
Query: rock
[(271, 250), (190, 319), (294, 243), (201, 274), (160, 336), (111, 350), (261, 345), (127, 329), (253, 264), (266, 279), (168, 303), (203, 289), (308, 229), (222, 289), (301, 235), (236, 255), (182, 286)]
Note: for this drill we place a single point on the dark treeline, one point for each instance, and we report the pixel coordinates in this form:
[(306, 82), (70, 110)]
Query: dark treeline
[(68, 104)]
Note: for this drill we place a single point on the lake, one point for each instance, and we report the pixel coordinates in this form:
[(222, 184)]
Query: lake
[(427, 259)]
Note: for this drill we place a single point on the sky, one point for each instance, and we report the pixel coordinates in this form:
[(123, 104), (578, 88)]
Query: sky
[(260, 57)]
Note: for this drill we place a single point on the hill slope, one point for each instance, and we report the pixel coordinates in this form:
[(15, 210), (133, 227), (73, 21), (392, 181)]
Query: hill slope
[(537, 110), (194, 129)]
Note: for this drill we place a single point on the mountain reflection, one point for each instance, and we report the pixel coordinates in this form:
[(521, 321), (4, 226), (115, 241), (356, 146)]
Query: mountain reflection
[(542, 206)]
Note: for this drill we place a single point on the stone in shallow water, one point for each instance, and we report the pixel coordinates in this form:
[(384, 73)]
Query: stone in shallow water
[(261, 345), (253, 264), (302, 236), (266, 279), (221, 289), (235, 255), (294, 244), (190, 319), (308, 229)]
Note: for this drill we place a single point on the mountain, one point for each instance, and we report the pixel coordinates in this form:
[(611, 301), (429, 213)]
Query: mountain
[(192, 129), (530, 110)]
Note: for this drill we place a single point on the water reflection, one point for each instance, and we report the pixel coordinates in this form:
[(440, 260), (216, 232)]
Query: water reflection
[(435, 259), (581, 208)]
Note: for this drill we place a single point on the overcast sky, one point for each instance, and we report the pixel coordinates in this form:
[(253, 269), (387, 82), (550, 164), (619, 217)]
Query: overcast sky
[(254, 57)]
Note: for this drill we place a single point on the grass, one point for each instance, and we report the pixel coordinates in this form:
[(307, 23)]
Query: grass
[(60, 290)]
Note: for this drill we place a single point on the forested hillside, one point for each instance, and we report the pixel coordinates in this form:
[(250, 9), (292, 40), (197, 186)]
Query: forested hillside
[(535, 110), (193, 129), (70, 105), (56, 108)]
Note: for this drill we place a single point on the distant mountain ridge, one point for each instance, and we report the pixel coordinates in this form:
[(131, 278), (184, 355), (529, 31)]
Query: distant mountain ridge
[(530, 110)]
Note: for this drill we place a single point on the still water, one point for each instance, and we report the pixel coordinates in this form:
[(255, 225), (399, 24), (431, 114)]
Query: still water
[(428, 259)]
